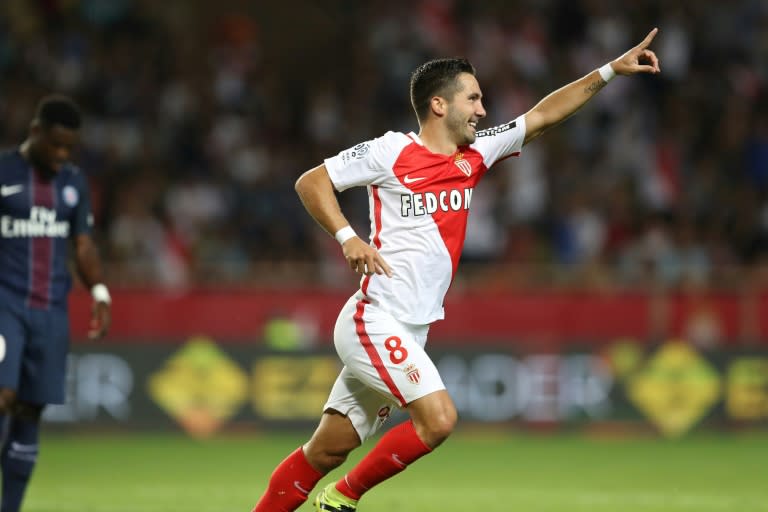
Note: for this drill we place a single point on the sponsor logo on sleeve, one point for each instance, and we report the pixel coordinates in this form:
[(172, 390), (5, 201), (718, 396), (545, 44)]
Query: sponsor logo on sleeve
[(495, 130), (356, 153)]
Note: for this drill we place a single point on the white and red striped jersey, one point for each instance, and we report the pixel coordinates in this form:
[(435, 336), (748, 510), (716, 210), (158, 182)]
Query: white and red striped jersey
[(419, 204)]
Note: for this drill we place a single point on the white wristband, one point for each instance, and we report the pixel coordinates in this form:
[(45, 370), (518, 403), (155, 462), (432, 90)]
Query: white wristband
[(606, 72), (100, 293), (344, 234)]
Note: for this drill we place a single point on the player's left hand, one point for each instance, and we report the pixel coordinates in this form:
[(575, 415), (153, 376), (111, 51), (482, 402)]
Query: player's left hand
[(639, 59), (101, 318)]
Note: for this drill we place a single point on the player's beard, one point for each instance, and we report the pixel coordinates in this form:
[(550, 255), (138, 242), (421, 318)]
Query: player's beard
[(458, 126)]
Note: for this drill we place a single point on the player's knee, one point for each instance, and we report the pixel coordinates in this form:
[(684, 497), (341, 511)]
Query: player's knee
[(7, 400), (333, 440), (438, 427)]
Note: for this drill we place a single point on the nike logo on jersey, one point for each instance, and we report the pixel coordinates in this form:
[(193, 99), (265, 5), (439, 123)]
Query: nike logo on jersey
[(9, 190), (408, 179)]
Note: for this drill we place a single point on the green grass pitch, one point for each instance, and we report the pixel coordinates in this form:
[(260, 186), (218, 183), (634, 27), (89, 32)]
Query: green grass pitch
[(89, 472)]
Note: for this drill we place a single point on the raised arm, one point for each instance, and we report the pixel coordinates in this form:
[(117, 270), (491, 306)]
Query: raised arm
[(319, 198), (562, 103)]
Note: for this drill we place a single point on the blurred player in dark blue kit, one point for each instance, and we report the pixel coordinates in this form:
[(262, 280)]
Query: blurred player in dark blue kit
[(44, 209)]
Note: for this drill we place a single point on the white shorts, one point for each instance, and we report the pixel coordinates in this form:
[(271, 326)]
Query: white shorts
[(385, 365)]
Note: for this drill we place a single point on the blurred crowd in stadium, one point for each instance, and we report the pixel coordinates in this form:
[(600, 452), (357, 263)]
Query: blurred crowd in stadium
[(201, 115)]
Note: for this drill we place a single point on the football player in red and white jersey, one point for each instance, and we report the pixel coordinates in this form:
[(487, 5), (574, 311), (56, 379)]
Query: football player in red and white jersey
[(420, 189)]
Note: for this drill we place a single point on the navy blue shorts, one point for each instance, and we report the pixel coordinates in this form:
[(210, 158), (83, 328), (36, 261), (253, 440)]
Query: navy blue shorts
[(33, 353)]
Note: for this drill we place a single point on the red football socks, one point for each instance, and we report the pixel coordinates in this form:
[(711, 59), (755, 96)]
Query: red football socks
[(290, 484), (391, 455)]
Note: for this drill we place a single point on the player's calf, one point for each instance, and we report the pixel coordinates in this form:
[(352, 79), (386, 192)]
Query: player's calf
[(290, 484), (19, 454), (395, 451), (332, 441)]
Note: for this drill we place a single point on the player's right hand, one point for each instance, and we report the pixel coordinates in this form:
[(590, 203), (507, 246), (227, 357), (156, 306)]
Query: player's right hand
[(364, 259)]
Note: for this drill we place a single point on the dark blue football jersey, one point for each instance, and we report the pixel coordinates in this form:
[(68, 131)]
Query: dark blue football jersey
[(39, 216)]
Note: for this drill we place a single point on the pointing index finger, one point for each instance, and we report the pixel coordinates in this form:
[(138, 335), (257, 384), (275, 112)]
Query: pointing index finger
[(647, 41)]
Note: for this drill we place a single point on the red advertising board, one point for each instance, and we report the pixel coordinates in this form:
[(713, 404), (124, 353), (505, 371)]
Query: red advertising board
[(544, 318)]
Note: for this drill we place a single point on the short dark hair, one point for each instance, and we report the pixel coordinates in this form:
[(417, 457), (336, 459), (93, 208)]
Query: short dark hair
[(436, 78), (60, 110)]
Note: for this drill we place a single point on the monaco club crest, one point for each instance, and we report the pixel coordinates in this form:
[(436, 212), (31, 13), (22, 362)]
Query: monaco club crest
[(412, 373), (463, 164)]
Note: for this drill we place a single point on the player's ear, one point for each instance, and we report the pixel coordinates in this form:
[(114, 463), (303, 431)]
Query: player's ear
[(35, 127), (438, 105)]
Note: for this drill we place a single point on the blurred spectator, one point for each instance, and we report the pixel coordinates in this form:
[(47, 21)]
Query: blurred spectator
[(201, 117)]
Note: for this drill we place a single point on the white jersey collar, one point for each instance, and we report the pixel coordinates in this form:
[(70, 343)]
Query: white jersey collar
[(415, 138)]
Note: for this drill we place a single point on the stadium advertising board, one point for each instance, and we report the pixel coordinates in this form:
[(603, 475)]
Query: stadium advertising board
[(204, 387), (556, 319)]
